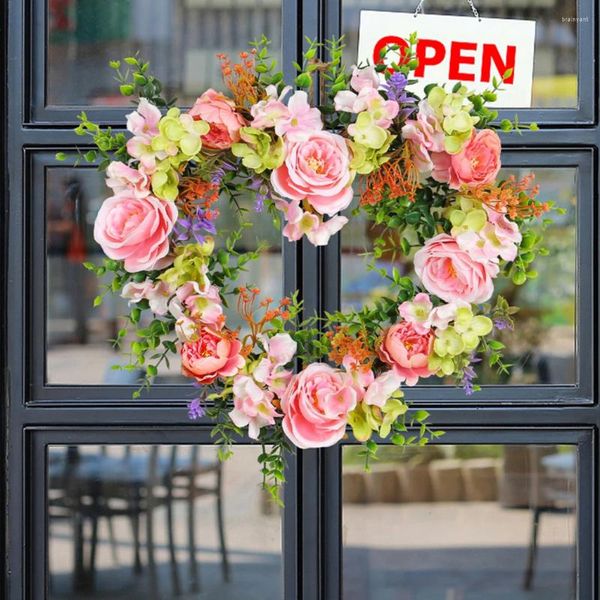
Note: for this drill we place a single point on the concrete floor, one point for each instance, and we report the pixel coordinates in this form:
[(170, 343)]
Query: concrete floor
[(433, 551)]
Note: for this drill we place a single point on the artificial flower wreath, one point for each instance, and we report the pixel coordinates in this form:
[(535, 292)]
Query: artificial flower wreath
[(425, 170)]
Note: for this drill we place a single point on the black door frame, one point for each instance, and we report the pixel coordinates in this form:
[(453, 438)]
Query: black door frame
[(35, 415)]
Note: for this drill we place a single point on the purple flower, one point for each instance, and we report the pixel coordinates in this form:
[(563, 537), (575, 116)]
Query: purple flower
[(195, 409), (262, 192), (395, 88), (501, 323), (219, 173), (187, 228), (469, 374)]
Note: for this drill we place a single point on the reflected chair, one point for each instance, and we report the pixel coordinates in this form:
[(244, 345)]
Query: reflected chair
[(540, 479), (102, 485)]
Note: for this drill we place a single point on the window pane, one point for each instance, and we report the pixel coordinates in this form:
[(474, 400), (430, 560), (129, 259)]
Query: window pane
[(457, 522), (78, 350), (101, 498), (555, 65), (179, 38), (542, 346)]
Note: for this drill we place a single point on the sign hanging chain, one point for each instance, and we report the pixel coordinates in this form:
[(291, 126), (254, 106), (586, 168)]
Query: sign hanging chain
[(419, 9)]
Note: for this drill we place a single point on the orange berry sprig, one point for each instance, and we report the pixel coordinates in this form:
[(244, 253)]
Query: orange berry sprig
[(247, 308), (241, 78)]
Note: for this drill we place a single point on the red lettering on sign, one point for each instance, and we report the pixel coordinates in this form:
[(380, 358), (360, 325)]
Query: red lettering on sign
[(438, 55), (389, 40), (457, 59), (433, 52), (491, 54)]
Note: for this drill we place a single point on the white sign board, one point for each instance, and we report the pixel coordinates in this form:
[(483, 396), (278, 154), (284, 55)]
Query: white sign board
[(452, 49)]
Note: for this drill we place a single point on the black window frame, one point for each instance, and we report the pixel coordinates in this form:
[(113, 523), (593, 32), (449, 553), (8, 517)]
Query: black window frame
[(313, 511)]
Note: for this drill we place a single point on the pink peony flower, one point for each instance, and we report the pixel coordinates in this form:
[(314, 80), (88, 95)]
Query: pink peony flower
[(424, 135), (316, 170), (219, 112), (366, 77), (301, 120), (382, 387), (316, 404), (476, 164), (214, 354), (407, 351), (157, 294), (252, 406), (417, 312), (451, 274), (136, 230), (123, 178)]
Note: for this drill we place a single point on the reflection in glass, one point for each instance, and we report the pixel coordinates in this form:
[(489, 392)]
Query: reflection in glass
[(179, 38), (123, 520), (78, 347), (461, 523), (555, 65), (542, 346)]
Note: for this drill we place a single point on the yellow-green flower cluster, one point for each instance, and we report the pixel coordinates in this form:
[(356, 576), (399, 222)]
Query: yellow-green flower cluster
[(190, 264), (258, 150), (460, 338), (465, 215), (452, 110), (179, 140), (365, 418)]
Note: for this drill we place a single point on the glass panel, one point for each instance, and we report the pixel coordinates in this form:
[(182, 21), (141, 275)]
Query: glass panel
[(101, 498), (542, 346), (78, 350), (460, 522), (179, 37), (555, 65)]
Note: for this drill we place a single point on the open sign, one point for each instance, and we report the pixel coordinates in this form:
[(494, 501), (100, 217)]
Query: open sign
[(456, 49)]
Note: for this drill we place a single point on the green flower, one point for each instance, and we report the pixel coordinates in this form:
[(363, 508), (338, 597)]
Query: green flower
[(366, 160), (367, 133), (466, 215), (179, 137), (190, 264), (258, 151), (448, 342), (165, 181), (471, 328), (453, 109), (365, 419)]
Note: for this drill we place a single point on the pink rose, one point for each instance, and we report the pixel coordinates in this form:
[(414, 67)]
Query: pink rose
[(123, 178), (424, 135), (219, 112), (214, 354), (476, 164), (317, 170), (252, 406), (451, 274), (407, 351), (366, 77), (316, 404), (135, 230)]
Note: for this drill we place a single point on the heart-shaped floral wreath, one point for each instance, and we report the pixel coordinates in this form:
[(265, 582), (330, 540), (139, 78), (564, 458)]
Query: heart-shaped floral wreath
[(426, 173)]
